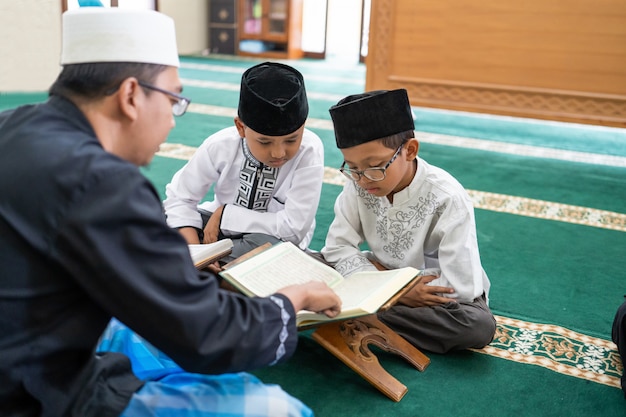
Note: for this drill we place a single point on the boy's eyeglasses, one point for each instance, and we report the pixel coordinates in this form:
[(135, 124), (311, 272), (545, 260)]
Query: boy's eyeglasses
[(372, 174), (180, 107)]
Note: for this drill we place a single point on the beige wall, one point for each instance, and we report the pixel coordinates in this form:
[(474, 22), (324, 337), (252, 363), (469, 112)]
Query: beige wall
[(191, 17), (31, 44), (31, 39)]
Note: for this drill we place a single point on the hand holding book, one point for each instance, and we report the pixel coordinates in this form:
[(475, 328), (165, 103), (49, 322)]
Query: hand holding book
[(313, 296)]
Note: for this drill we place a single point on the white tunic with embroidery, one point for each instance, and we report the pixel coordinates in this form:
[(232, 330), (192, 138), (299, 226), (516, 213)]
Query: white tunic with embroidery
[(293, 195), (429, 225)]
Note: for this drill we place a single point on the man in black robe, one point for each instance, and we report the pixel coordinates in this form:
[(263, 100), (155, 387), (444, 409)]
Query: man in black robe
[(83, 238)]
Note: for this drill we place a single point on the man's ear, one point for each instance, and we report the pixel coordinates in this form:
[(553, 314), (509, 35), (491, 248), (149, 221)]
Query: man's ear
[(412, 148), (129, 97)]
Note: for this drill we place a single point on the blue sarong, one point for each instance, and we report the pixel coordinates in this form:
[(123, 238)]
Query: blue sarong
[(169, 391)]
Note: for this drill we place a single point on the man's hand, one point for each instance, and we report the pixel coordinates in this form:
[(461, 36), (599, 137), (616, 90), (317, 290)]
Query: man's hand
[(313, 296), (422, 295), (212, 228)]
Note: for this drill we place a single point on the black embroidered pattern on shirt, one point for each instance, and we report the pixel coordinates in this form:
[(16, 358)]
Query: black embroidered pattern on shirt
[(256, 182)]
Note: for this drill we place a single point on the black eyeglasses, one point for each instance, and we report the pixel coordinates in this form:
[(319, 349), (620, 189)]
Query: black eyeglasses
[(180, 107), (372, 174)]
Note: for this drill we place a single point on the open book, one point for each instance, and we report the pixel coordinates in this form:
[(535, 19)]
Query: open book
[(285, 264), (208, 253)]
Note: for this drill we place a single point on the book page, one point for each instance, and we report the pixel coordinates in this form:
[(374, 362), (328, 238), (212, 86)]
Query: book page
[(282, 265), (369, 290)]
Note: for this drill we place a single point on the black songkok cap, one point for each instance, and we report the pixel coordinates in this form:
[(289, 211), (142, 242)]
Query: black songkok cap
[(272, 99), (361, 118)]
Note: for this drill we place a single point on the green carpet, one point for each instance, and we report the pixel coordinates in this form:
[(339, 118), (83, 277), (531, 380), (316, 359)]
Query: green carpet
[(550, 204)]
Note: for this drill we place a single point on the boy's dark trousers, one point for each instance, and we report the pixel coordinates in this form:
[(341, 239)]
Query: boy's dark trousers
[(619, 338)]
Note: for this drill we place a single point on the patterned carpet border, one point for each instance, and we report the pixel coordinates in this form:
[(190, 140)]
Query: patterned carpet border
[(548, 210), (558, 349)]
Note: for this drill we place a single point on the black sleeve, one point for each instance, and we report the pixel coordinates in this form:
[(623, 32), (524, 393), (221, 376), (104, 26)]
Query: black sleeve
[(116, 243)]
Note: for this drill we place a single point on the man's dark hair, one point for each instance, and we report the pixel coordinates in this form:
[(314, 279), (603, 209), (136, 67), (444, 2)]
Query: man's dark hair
[(394, 141), (96, 80)]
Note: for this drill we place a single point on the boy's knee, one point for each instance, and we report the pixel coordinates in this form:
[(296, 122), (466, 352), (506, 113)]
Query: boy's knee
[(482, 331), (483, 323), (476, 336), (258, 239)]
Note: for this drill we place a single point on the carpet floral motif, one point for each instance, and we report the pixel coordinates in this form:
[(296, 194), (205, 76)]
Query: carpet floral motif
[(556, 348)]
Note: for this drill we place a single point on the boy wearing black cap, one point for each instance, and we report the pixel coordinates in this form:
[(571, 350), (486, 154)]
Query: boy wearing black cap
[(266, 171), (409, 213)]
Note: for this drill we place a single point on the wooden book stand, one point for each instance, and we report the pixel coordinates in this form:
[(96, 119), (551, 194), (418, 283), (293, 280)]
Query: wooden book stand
[(349, 341)]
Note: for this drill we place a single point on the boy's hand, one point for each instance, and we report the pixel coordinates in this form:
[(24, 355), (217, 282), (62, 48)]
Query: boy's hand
[(422, 295), (212, 228), (190, 234), (215, 267)]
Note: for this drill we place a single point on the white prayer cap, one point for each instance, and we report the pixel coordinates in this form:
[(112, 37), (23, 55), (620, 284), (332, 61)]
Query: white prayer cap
[(111, 34)]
